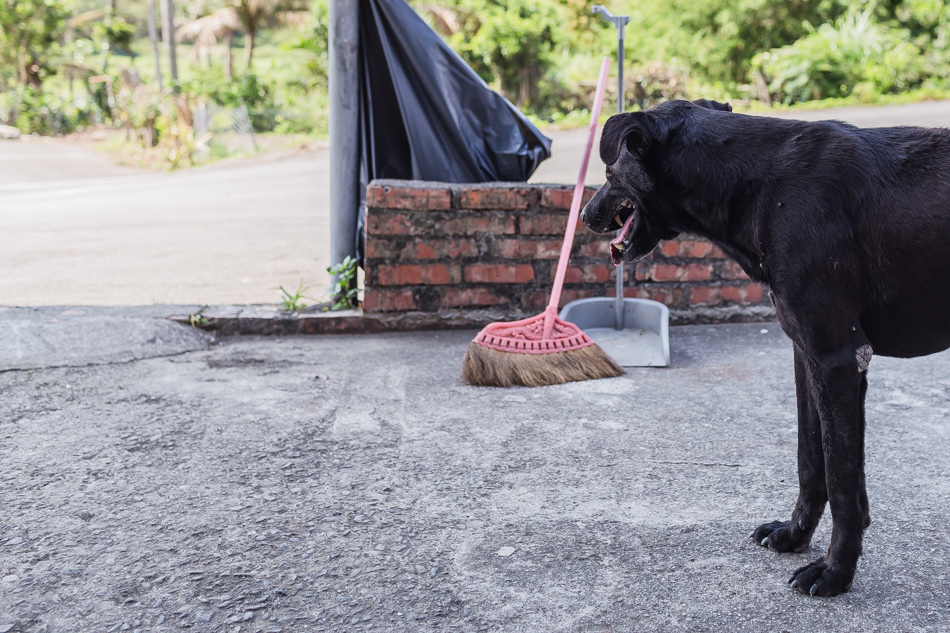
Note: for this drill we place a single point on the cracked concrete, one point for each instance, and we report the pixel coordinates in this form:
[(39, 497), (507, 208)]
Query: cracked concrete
[(353, 483)]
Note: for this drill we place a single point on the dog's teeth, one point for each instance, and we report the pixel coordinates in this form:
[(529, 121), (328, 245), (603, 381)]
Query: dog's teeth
[(618, 220)]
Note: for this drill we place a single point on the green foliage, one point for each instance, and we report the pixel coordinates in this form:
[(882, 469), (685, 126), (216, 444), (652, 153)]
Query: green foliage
[(249, 90), (197, 320), (345, 290), (316, 42), (854, 55), (293, 302), (117, 33), (38, 112), (510, 45), (30, 38)]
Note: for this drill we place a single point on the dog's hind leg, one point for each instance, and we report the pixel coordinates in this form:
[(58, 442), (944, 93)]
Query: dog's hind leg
[(795, 535), (839, 390)]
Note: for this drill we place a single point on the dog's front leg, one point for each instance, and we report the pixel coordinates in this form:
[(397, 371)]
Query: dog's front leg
[(795, 535), (839, 387)]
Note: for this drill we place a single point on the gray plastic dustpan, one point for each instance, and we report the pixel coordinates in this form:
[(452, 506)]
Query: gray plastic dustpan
[(644, 339)]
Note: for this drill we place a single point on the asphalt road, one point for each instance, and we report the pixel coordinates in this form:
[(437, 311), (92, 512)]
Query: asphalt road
[(354, 483), (75, 229)]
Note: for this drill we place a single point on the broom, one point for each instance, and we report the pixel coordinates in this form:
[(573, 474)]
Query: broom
[(543, 350)]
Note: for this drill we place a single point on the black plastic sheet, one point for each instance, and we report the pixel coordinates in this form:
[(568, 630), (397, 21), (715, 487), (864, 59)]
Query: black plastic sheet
[(425, 115)]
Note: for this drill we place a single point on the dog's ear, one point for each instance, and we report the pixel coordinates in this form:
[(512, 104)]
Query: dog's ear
[(713, 105), (622, 129)]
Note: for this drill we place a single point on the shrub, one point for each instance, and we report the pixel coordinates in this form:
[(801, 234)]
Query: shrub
[(42, 113), (854, 55), (249, 90)]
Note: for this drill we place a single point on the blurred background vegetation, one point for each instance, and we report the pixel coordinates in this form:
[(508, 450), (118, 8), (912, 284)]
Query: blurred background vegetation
[(70, 65)]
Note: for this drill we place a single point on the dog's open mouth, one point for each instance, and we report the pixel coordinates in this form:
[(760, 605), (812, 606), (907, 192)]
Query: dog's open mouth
[(620, 243)]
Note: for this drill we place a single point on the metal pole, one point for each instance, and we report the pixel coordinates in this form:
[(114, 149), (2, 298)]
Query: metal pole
[(344, 128), (620, 21), (619, 307)]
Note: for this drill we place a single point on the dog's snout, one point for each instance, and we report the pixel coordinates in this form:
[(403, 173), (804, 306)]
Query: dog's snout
[(584, 215)]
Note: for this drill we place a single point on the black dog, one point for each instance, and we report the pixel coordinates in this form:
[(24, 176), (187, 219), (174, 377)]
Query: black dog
[(848, 227)]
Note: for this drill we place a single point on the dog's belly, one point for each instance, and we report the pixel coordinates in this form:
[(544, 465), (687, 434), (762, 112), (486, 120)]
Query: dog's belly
[(908, 330)]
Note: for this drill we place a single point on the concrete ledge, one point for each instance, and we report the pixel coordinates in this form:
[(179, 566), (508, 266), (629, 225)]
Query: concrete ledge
[(269, 320)]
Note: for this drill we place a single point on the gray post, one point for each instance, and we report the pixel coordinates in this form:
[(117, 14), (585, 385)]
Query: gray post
[(168, 36), (620, 21), (344, 128)]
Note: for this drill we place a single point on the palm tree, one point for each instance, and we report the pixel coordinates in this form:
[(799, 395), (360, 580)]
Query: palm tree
[(205, 33), (252, 14)]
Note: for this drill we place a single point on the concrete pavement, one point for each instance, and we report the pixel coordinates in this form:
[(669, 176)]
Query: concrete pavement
[(227, 233), (353, 483)]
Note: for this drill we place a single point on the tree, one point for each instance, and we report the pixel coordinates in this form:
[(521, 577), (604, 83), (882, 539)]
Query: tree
[(30, 33), (205, 33), (253, 14)]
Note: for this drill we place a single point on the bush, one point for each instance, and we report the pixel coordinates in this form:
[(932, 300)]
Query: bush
[(41, 113), (854, 55), (248, 90)]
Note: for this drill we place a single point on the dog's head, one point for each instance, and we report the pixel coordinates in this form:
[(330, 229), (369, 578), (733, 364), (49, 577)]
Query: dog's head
[(626, 201)]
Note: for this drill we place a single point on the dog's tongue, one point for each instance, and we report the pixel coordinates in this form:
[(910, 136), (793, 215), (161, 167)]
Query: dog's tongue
[(616, 244)]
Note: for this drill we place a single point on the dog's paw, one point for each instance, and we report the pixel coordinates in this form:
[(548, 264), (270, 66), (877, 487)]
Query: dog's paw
[(818, 578), (779, 536)]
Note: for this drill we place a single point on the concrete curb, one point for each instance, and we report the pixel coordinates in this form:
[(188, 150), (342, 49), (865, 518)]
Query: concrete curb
[(269, 320)]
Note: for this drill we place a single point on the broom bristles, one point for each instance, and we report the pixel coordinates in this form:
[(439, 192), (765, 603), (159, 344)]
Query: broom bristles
[(486, 367)]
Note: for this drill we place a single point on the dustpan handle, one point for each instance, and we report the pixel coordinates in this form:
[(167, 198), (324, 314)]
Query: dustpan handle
[(576, 202)]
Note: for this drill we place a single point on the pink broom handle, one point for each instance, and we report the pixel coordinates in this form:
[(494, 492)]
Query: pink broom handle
[(576, 202)]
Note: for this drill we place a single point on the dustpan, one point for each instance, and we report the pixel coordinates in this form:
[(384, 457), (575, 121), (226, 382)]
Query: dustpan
[(634, 332)]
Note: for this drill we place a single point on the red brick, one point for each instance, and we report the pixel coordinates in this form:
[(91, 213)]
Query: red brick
[(455, 297), (753, 293), (699, 272), (535, 299), (379, 248), (664, 272), (588, 273), (573, 294), (630, 293), (499, 273), (670, 249), (704, 295), (476, 224), (732, 293), (554, 197), (498, 197), (546, 224), (438, 249), (418, 198), (413, 274), (389, 300), (731, 270), (557, 197), (695, 249), (598, 249), (666, 296), (390, 224), (717, 253), (525, 249)]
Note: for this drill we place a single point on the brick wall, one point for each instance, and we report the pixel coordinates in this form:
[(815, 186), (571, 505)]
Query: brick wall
[(441, 254)]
